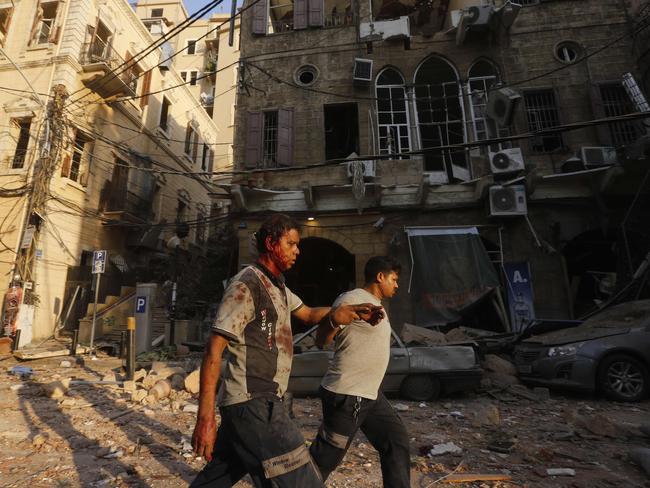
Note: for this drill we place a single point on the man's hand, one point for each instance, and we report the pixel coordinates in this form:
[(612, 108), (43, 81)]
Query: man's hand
[(345, 314), (204, 437)]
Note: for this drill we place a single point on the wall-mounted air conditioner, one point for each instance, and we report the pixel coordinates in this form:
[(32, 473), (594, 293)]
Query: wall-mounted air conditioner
[(362, 71), (477, 15), (367, 168), (506, 160), (594, 156), (506, 201), (385, 29)]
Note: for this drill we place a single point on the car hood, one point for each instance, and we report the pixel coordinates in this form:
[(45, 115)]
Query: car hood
[(613, 321)]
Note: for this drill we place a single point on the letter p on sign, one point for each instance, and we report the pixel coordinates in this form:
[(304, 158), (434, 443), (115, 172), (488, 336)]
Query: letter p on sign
[(140, 304)]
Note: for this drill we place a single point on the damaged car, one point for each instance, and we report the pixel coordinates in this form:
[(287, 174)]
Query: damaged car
[(415, 372), (608, 353)]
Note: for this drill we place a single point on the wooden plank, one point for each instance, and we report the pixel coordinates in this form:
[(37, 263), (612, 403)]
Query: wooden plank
[(468, 477), (25, 355)]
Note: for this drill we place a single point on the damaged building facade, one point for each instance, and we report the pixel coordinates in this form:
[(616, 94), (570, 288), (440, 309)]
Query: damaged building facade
[(364, 120)]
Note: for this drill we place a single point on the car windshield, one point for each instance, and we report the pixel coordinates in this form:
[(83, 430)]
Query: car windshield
[(623, 315)]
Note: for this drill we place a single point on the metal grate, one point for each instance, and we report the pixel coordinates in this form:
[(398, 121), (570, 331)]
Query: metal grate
[(617, 102), (542, 113), (270, 139)]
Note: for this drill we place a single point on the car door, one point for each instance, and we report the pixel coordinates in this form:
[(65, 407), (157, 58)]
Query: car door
[(309, 364), (398, 364)]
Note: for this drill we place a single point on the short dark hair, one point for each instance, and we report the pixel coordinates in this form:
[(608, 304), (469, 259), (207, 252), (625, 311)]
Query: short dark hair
[(380, 264), (275, 226)]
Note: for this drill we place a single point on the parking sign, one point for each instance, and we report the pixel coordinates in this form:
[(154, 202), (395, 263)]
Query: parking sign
[(99, 261), (140, 304)]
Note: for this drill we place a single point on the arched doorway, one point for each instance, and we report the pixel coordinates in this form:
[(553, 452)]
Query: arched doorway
[(323, 270)]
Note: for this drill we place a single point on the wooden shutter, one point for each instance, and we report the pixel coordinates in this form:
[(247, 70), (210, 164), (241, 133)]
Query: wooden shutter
[(285, 137), (146, 87), (260, 17), (65, 167), (253, 153), (38, 16), (604, 135), (316, 8), (56, 24), (210, 161), (195, 149), (300, 8), (5, 25)]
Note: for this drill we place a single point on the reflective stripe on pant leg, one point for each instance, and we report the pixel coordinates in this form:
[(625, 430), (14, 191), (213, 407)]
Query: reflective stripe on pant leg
[(337, 440), (285, 463)]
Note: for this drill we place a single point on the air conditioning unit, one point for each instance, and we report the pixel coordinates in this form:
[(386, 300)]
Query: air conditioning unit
[(507, 201), (362, 71), (477, 15), (506, 160), (367, 167), (597, 156), (501, 105)]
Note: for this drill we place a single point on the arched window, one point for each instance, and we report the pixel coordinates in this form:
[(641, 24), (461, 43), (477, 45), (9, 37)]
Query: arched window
[(482, 76), (441, 120), (392, 113)]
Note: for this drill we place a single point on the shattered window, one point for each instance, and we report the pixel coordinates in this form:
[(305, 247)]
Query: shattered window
[(392, 113), (422, 13), (337, 13), (280, 16)]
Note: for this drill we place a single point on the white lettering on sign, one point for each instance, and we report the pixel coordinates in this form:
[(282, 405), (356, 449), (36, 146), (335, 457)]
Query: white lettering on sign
[(517, 278)]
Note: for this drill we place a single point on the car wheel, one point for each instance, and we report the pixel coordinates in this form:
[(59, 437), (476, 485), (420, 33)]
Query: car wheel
[(420, 388), (623, 378)]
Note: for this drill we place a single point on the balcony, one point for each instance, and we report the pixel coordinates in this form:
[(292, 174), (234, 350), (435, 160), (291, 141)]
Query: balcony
[(103, 68), (129, 201)]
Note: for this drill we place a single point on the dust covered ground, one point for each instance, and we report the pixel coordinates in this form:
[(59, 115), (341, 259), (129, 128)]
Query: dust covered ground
[(99, 434)]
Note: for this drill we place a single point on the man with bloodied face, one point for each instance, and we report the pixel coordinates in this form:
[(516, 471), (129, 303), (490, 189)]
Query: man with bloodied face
[(256, 435)]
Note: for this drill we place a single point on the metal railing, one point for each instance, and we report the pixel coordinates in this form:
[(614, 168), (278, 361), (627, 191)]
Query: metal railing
[(98, 51)]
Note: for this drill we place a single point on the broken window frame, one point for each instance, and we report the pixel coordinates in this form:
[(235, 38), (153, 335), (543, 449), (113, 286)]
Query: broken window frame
[(447, 128), (270, 129), (615, 101), (542, 111), (401, 132), (19, 157), (6, 12), (483, 127), (191, 45), (76, 168), (46, 30)]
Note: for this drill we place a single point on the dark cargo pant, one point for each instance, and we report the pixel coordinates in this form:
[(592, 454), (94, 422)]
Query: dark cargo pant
[(343, 415), (257, 437)]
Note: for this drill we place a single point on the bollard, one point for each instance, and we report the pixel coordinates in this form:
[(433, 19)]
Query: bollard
[(16, 340), (75, 341), (130, 360), (123, 344)]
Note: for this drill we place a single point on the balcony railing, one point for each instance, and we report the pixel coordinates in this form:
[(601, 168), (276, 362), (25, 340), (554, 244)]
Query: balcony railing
[(132, 200), (100, 56)]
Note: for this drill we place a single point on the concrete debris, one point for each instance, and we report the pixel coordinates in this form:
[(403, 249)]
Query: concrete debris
[(149, 413), (456, 414), (447, 448), (192, 382), (6, 343), (496, 364), (65, 364), (177, 381), (68, 402), (542, 393), (38, 440), (598, 424), (182, 351), (561, 472), (161, 389), (457, 334), (150, 380), (400, 407), (56, 389), (412, 334), (139, 375), (138, 395), (486, 414), (190, 408), (165, 373), (17, 387), (129, 386)]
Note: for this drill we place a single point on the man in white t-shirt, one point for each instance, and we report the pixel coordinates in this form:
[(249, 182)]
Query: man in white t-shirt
[(350, 389)]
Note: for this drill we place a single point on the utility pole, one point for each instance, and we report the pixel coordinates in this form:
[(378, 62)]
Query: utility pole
[(51, 141)]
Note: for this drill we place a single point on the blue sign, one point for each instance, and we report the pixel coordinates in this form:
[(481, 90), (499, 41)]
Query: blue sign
[(99, 261), (519, 288), (140, 304)]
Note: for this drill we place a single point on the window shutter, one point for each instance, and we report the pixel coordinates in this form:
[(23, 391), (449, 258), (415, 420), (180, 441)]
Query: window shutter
[(253, 153), (210, 161), (285, 137), (5, 25), (300, 14), (195, 149), (65, 167), (604, 135), (316, 13), (260, 16), (56, 25), (146, 87), (38, 16)]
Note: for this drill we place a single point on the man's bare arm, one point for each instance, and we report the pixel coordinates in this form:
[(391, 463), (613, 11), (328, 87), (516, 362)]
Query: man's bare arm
[(205, 431)]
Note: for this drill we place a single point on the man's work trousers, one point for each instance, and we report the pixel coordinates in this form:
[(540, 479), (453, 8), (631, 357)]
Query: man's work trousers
[(258, 437), (343, 415)]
